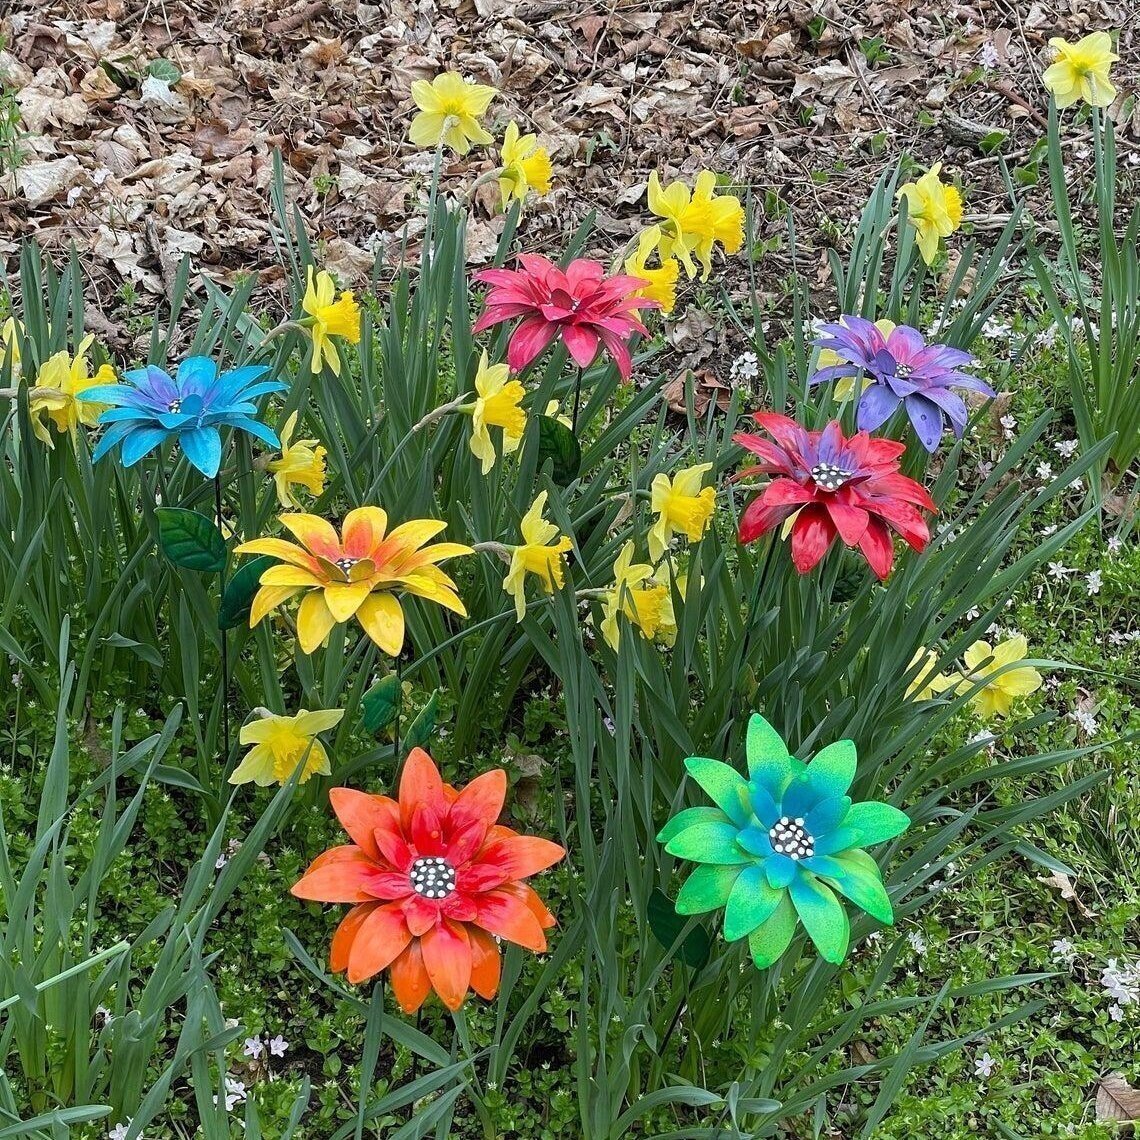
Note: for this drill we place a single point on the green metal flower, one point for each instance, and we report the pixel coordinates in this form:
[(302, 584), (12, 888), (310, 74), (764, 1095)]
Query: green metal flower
[(781, 844)]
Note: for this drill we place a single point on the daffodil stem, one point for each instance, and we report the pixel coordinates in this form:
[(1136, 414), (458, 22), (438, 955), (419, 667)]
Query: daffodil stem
[(225, 637), (439, 413)]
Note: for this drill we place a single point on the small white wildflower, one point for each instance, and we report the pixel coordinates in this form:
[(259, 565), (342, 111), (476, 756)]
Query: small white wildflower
[(988, 55), (1121, 982), (1044, 471), (278, 1045), (119, 1132), (1085, 719), (1093, 582), (234, 1093), (1059, 570), (1063, 951), (745, 367), (253, 1047), (973, 613), (917, 942), (1116, 1012), (1066, 448), (985, 469), (1048, 530), (1114, 544), (1009, 425), (984, 1065)]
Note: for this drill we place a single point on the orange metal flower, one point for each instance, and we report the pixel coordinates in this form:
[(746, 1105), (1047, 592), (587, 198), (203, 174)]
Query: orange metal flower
[(435, 881), (354, 574)]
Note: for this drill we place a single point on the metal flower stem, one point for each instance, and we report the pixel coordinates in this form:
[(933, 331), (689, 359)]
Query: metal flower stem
[(224, 633), (399, 699), (577, 400)]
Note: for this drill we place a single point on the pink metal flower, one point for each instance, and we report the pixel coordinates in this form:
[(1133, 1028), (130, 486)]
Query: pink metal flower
[(580, 304)]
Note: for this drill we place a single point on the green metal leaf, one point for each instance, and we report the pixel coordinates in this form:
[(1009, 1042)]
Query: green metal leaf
[(191, 540), (557, 443), (381, 703), (667, 925), (240, 589), (424, 725)]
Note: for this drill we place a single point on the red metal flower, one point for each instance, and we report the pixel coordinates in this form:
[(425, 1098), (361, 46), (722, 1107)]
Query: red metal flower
[(435, 881), (833, 486), (580, 304)]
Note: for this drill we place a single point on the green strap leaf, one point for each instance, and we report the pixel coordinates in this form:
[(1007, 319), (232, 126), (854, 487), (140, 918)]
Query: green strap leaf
[(381, 703), (666, 925), (190, 540), (420, 730)]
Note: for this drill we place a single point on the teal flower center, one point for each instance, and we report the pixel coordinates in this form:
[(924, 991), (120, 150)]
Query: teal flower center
[(346, 564), (432, 877), (830, 477), (174, 407), (790, 837)]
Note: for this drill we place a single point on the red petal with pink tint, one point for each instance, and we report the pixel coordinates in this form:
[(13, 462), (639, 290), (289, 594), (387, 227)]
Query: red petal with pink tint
[(421, 914), (481, 801), (878, 549), (522, 855), (851, 522), (529, 341), (485, 963), (503, 913), (345, 934), (341, 879), (812, 533)]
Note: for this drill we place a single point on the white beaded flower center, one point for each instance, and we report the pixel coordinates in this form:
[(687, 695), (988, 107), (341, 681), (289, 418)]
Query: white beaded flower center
[(432, 877), (174, 407), (790, 837), (903, 370), (346, 564), (830, 477)]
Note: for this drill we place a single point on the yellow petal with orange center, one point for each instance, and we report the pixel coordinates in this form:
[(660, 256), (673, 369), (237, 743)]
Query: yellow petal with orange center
[(363, 531), (314, 533)]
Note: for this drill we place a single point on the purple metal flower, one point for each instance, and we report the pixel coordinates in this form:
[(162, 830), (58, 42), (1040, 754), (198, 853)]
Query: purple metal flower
[(902, 368)]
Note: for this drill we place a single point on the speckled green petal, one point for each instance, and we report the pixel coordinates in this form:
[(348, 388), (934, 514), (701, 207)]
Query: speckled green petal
[(769, 761), (708, 843), (707, 888), (772, 937), (749, 904), (724, 785), (831, 770), (864, 825), (856, 875), (823, 916), (687, 818)]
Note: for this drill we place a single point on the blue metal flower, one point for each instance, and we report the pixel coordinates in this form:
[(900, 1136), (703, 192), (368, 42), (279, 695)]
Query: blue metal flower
[(904, 369), (191, 406), (781, 845)]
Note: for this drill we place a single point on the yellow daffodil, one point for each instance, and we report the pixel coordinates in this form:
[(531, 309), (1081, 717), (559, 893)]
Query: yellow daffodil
[(329, 316), (554, 412), (58, 383), (1080, 71), (10, 332), (929, 682), (646, 601), (662, 280), (536, 556), (695, 220), (844, 388), (280, 743), (680, 505), (354, 574), (997, 696), (497, 405), (934, 208), (302, 461), (526, 166), (450, 110)]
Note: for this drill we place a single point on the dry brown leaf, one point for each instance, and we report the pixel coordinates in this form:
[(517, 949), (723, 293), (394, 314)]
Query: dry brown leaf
[(1064, 885), (1116, 1099)]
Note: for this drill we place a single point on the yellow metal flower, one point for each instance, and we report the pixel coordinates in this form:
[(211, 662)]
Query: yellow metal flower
[(450, 110), (662, 286), (934, 208), (537, 555), (982, 662), (645, 600), (302, 462), (844, 388), (329, 316), (497, 405), (1080, 71), (58, 383), (280, 743), (681, 506), (526, 166), (694, 221), (354, 574), (929, 682)]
